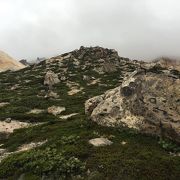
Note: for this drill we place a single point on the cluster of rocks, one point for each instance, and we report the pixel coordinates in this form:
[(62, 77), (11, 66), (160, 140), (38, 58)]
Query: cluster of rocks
[(90, 60), (98, 59), (146, 101), (51, 79)]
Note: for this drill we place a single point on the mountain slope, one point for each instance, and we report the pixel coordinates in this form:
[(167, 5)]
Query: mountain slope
[(64, 130), (8, 63)]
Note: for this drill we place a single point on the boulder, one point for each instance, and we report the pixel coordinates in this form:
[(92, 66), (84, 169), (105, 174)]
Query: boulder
[(147, 102), (100, 142), (51, 79), (55, 110)]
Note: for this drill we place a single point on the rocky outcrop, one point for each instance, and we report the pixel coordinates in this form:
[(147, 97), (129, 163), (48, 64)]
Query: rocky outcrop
[(8, 63), (98, 59), (55, 110), (168, 63), (146, 101), (51, 79)]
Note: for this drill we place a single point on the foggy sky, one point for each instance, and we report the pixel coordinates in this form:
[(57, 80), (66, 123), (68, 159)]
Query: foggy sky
[(138, 29)]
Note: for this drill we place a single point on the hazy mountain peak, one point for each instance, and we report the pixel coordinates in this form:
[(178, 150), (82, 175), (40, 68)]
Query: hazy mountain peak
[(8, 63)]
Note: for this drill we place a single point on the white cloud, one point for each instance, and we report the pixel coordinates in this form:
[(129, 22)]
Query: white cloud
[(137, 29)]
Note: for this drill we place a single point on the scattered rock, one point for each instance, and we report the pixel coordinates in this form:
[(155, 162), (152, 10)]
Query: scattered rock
[(74, 90), (123, 142), (175, 154), (51, 79), (24, 62), (26, 147), (56, 110), (86, 78), (10, 126), (2, 104), (63, 78), (68, 116), (93, 82), (16, 86), (100, 142), (51, 94), (168, 63), (36, 111)]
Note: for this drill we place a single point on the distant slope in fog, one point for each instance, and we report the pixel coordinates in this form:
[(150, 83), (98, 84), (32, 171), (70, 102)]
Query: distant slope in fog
[(8, 63)]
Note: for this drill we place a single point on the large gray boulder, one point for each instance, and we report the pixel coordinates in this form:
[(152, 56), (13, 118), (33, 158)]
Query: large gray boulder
[(147, 102)]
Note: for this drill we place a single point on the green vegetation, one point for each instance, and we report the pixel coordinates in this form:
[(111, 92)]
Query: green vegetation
[(67, 153), (48, 161), (169, 145)]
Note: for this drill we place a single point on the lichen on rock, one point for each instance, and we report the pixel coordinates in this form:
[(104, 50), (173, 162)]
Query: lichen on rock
[(148, 102)]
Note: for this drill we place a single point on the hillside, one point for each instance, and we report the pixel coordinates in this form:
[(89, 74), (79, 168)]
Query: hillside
[(8, 63), (46, 134)]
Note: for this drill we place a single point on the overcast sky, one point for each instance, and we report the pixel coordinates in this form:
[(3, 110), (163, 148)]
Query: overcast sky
[(138, 29)]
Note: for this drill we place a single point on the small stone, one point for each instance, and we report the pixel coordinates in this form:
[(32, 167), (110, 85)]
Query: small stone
[(2, 104), (100, 142), (88, 172), (8, 120), (63, 78), (86, 78), (56, 110), (123, 142), (152, 100), (65, 117), (36, 111), (16, 86), (52, 94)]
